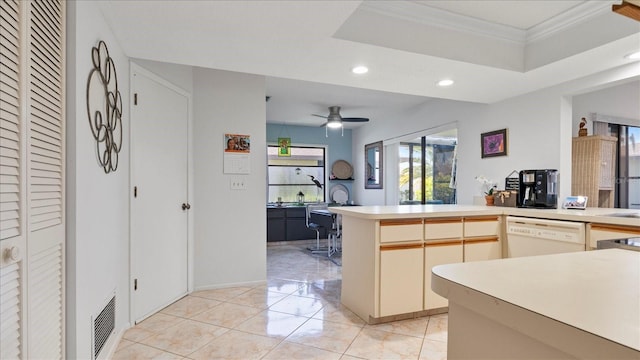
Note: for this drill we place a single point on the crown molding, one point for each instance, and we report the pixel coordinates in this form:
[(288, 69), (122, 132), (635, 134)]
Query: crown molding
[(426, 15), (569, 18)]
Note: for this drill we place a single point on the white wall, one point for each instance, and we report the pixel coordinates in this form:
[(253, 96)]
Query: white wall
[(230, 225), (398, 122), (179, 75), (539, 126), (618, 101), (97, 257)]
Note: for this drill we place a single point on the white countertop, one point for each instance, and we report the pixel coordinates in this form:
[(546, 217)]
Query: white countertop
[(595, 291), (598, 215)]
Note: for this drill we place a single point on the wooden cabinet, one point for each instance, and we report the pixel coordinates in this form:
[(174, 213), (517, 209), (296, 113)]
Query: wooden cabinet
[(296, 224), (387, 263), (593, 169), (401, 264), (276, 225), (596, 232), (443, 245), (482, 238), (400, 279), (290, 223), (438, 253)]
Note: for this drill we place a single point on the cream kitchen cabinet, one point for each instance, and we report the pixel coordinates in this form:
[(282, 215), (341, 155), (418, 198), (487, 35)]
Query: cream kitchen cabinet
[(389, 251), (401, 264), (597, 232), (482, 238), (438, 253), (400, 279), (443, 245)]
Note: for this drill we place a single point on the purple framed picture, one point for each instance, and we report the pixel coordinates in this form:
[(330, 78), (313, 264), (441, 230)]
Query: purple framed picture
[(494, 143)]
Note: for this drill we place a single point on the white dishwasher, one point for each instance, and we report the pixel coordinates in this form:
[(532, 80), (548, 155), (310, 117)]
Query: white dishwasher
[(529, 236)]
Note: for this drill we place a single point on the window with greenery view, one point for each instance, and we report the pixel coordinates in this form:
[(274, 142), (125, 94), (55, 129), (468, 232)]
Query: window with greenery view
[(425, 173), (289, 175)]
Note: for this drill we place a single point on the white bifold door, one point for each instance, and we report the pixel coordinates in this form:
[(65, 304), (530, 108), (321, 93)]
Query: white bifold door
[(32, 195)]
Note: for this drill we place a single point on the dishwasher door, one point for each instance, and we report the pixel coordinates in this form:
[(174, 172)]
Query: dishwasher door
[(529, 236)]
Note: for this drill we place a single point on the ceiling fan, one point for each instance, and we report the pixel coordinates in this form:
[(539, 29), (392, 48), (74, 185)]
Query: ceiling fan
[(334, 120)]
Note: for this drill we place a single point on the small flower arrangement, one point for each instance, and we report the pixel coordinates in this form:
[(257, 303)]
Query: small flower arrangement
[(488, 185)]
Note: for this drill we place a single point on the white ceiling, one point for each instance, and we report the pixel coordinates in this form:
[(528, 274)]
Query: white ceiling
[(492, 49)]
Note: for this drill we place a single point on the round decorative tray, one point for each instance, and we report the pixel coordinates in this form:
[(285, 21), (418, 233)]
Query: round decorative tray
[(339, 194), (342, 169)]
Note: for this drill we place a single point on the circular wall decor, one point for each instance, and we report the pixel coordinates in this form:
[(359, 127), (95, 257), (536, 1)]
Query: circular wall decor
[(104, 108)]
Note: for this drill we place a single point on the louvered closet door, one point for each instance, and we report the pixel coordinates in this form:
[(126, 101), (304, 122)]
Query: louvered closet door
[(12, 227), (45, 179), (31, 180)]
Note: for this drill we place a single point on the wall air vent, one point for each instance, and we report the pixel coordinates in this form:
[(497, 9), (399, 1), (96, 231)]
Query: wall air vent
[(103, 326)]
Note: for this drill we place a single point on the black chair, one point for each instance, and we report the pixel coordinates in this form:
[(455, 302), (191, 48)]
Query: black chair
[(315, 226), (334, 237)]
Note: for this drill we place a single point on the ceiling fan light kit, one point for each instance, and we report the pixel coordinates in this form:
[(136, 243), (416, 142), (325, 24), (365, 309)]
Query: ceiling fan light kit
[(334, 120), (334, 124)]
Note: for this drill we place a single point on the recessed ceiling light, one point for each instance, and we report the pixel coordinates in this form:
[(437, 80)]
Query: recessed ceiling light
[(445, 82), (633, 56), (360, 70)]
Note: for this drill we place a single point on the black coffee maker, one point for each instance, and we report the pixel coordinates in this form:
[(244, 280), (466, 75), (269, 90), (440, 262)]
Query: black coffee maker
[(538, 189)]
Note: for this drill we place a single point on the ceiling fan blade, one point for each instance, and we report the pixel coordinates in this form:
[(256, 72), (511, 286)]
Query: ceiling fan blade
[(355, 119), (322, 116)]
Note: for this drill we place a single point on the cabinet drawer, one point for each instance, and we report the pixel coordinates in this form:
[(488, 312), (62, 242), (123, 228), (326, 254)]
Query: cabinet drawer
[(297, 212), (479, 249), (400, 230), (609, 232), (481, 226), (275, 213), (450, 228)]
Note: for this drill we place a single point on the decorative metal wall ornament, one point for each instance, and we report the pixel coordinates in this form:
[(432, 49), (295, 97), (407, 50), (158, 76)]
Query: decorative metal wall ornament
[(104, 108)]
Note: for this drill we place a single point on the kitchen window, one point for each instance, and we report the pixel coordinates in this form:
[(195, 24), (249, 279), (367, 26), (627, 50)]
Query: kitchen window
[(290, 175)]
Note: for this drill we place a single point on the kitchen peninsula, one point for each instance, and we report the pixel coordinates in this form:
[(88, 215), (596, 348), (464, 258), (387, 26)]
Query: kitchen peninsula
[(562, 306), (388, 251)]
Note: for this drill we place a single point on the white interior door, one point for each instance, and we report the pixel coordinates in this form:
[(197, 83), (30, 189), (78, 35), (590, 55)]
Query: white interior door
[(159, 167)]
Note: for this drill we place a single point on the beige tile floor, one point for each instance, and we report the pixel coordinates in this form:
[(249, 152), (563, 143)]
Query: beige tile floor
[(296, 315)]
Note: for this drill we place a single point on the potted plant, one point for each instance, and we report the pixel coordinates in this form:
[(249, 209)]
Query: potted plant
[(489, 187)]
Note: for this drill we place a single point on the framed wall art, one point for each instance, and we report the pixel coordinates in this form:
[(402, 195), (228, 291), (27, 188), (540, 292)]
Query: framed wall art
[(284, 146), (494, 143)]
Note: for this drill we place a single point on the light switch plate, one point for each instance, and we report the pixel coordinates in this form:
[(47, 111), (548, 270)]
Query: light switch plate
[(238, 183)]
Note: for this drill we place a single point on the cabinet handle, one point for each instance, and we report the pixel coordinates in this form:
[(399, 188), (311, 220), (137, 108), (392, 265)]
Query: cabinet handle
[(442, 221), (186, 206), (481, 219), (401, 222), (620, 228), (443, 243), (400, 247), (481, 240)]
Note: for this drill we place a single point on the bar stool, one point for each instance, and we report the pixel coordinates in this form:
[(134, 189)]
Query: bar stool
[(314, 226), (334, 238)]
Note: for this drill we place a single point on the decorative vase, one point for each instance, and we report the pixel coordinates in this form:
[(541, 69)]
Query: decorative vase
[(489, 199)]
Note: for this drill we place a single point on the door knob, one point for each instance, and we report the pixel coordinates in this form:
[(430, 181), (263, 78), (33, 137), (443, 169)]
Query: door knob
[(11, 254), (186, 206)]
